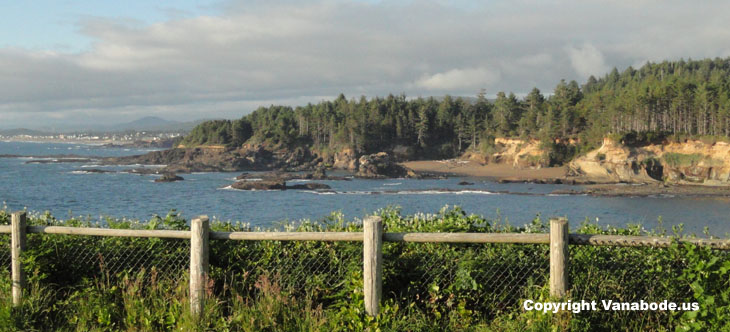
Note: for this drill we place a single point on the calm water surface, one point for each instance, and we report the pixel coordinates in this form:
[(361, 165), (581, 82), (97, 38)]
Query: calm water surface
[(65, 190)]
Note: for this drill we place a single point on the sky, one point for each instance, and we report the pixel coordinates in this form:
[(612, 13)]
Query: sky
[(66, 64)]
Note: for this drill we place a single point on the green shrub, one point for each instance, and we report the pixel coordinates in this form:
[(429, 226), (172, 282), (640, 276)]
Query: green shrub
[(317, 286), (681, 159)]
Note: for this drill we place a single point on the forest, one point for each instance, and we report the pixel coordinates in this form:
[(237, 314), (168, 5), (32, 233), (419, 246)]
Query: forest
[(680, 98)]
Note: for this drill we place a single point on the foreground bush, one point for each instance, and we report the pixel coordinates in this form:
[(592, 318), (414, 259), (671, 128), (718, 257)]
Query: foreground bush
[(86, 283)]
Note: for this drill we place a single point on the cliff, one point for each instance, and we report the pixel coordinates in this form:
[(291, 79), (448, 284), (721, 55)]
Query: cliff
[(689, 162), (515, 152)]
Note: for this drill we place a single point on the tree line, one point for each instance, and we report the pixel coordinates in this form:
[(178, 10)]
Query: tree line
[(681, 97)]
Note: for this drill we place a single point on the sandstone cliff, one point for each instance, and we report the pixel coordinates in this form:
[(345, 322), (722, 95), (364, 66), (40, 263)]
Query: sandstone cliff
[(688, 162), (512, 151)]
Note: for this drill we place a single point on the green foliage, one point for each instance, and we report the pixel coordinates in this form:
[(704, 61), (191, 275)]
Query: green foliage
[(681, 159), (317, 286), (633, 138), (558, 153)]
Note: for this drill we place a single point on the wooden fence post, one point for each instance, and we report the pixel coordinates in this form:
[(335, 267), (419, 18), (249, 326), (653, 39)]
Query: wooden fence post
[(558, 256), (17, 245), (199, 237), (373, 264)]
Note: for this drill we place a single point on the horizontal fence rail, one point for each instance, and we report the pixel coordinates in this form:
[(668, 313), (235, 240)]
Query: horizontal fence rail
[(372, 237), (518, 238)]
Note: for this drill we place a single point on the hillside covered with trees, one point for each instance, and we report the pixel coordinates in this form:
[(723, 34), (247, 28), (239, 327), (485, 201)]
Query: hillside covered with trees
[(669, 98)]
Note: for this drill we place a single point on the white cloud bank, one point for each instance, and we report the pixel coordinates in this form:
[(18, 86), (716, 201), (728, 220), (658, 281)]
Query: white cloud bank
[(258, 53), (587, 60), (459, 79)]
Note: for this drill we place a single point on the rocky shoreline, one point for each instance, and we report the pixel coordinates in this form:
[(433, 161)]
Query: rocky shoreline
[(646, 190), (281, 165)]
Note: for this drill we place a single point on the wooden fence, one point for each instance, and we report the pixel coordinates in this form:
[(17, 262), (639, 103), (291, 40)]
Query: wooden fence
[(372, 237)]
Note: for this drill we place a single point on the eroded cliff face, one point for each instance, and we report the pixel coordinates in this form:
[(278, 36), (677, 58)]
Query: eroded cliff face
[(689, 162), (514, 152), (346, 159)]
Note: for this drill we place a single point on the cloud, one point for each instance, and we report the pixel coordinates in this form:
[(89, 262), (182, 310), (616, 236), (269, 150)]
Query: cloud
[(469, 78), (261, 52), (587, 60)]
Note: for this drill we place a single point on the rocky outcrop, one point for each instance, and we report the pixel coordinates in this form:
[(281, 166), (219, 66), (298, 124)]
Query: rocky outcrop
[(276, 185), (222, 159), (169, 177), (688, 162), (319, 174), (380, 165), (259, 185), (94, 170), (309, 186)]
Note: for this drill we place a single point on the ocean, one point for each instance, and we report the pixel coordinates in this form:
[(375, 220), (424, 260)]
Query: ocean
[(68, 190)]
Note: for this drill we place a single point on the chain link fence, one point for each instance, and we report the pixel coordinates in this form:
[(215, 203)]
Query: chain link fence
[(69, 259), (627, 274), (301, 268), (4, 253), (486, 278)]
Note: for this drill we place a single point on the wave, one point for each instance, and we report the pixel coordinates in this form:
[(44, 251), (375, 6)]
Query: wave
[(393, 184), (229, 187)]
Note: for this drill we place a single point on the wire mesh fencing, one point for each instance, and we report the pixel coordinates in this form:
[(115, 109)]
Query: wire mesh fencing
[(68, 259), (313, 268), (485, 278), (5, 253), (627, 275)]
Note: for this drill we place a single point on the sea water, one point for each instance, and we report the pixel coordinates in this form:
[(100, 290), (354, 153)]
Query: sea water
[(67, 190)]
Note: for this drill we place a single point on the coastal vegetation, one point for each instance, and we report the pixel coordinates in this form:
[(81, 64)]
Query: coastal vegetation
[(657, 101), (317, 286)]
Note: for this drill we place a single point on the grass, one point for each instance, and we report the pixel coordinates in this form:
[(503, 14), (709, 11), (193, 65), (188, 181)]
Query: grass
[(317, 286)]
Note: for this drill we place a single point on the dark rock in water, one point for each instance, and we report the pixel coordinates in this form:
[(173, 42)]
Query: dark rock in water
[(259, 185), (276, 185), (286, 176), (381, 165), (309, 186), (169, 177), (465, 183), (95, 170)]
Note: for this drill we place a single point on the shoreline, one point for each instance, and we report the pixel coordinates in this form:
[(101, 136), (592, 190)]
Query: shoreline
[(454, 167)]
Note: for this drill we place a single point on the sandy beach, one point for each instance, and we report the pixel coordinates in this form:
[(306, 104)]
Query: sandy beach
[(497, 171)]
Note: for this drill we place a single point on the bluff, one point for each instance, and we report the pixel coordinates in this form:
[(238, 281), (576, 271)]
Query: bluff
[(519, 153), (687, 162)]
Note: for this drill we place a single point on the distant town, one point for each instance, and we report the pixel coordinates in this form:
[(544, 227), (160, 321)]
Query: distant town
[(128, 138), (147, 131)]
